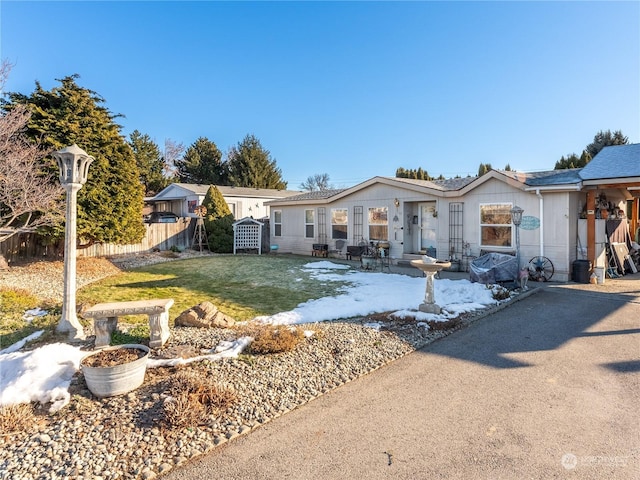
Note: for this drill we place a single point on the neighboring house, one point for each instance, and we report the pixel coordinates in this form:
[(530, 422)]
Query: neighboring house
[(464, 217), (183, 198)]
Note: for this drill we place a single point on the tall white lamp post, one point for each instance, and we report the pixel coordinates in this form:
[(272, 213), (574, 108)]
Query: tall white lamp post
[(73, 163), (516, 219)]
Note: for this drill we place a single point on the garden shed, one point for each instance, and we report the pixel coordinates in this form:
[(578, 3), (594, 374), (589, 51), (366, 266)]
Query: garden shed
[(247, 235)]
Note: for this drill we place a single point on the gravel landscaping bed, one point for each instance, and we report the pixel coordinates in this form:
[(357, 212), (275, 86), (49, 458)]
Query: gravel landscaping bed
[(128, 436)]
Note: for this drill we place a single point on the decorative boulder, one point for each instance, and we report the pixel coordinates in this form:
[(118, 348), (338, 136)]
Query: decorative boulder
[(205, 315)]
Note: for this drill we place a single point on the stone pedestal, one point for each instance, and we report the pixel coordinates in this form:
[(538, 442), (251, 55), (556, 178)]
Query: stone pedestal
[(430, 269), (158, 329)]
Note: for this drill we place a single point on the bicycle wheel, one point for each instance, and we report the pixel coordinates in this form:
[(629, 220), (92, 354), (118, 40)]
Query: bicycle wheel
[(540, 269)]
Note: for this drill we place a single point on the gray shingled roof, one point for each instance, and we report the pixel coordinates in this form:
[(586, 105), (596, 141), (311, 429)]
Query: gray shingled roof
[(547, 178), (200, 189), (454, 183), (316, 195), (442, 185), (619, 161)]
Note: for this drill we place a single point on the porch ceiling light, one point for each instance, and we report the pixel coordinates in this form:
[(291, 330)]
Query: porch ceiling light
[(516, 215)]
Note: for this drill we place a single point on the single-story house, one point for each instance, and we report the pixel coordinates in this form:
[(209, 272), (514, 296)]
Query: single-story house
[(183, 198), (462, 218)]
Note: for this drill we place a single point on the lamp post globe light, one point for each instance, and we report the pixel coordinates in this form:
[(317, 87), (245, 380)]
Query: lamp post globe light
[(516, 219), (73, 163)]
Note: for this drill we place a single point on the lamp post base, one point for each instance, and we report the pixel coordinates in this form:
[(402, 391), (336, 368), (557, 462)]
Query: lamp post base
[(430, 308), (73, 328)]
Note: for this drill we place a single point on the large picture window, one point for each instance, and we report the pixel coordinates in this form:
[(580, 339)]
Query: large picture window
[(495, 225), (339, 223), (309, 223), (378, 224), (277, 223)]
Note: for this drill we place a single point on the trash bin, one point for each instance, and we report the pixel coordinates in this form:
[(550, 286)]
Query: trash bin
[(581, 270)]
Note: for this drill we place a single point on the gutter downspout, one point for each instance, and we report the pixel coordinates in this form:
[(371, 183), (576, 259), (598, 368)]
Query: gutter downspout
[(541, 207)]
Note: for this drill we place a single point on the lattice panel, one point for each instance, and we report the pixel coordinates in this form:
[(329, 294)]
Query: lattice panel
[(247, 236)]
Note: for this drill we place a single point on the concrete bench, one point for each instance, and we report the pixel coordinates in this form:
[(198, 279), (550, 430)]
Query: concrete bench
[(105, 318)]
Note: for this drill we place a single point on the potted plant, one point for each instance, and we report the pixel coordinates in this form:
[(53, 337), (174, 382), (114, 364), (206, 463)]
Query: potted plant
[(115, 370)]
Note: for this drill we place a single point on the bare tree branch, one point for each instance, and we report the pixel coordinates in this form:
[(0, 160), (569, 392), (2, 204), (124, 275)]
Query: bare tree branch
[(29, 198), (173, 151)]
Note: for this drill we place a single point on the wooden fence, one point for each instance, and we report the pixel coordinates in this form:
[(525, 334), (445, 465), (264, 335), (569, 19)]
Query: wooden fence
[(161, 236)]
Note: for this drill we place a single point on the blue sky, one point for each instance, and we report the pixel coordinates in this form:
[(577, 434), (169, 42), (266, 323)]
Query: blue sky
[(351, 89)]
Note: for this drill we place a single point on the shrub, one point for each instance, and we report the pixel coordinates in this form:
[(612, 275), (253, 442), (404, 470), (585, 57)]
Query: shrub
[(275, 339), (194, 397), (16, 418), (499, 293), (136, 334), (220, 234), (14, 301)]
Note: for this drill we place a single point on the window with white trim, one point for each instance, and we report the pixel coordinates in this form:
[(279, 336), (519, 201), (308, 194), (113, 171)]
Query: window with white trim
[(309, 223), (277, 223), (495, 225), (339, 223), (378, 223)]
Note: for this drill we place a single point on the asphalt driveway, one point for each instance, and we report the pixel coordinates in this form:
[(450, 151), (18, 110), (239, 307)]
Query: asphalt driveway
[(546, 388)]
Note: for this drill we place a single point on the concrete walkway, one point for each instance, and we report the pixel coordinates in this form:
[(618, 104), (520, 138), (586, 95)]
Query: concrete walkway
[(546, 388)]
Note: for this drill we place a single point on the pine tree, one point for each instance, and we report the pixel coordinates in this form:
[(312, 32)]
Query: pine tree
[(218, 222), (416, 174), (202, 163), (110, 204), (150, 162), (605, 139), (250, 165), (484, 168), (600, 140), (573, 161)]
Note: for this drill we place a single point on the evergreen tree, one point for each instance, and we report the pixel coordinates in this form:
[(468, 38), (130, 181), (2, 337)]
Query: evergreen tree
[(605, 139), (416, 174), (150, 162), (250, 165), (600, 140), (401, 172), (507, 168), (573, 161), (110, 204), (484, 168), (202, 163), (218, 222)]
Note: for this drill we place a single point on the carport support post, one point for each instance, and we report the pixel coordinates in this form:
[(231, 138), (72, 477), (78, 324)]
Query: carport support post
[(73, 163), (591, 226)]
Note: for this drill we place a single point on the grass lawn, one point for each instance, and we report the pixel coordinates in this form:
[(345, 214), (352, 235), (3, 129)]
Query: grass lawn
[(242, 287)]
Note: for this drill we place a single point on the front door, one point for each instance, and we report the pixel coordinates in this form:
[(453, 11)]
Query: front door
[(428, 225)]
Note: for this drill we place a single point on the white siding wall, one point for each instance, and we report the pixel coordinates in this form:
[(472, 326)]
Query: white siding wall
[(293, 239), (559, 219), (560, 211), (240, 206)]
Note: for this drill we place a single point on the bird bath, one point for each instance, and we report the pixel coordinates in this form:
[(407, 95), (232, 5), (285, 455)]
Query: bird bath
[(430, 269)]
